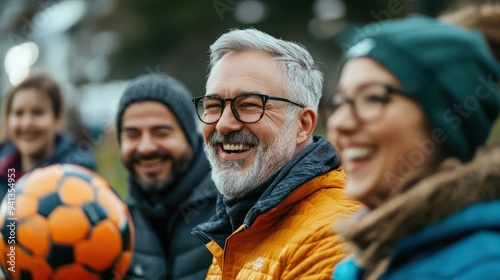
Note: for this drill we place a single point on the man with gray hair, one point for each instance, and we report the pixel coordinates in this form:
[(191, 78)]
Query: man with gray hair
[(280, 186)]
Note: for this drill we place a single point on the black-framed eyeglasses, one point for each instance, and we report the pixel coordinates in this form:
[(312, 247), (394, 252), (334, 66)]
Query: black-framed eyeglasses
[(369, 102), (246, 108)]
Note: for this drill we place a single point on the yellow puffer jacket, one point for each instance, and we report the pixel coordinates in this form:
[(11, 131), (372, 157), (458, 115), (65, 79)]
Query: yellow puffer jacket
[(292, 241), (288, 233)]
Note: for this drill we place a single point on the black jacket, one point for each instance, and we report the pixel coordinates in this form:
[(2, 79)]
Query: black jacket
[(164, 247)]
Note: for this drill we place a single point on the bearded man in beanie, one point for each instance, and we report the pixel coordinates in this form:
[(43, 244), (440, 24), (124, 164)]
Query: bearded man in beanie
[(169, 186)]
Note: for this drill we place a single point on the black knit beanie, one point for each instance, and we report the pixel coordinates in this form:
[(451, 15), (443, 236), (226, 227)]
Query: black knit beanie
[(166, 90), (448, 70)]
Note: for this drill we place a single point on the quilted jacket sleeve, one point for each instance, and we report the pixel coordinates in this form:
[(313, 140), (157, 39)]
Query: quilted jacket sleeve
[(321, 250), (323, 254)]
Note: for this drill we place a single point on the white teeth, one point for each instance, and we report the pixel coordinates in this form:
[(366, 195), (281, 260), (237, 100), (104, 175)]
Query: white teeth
[(236, 147), (356, 153)]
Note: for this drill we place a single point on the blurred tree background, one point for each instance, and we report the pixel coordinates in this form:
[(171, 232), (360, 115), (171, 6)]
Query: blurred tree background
[(94, 47)]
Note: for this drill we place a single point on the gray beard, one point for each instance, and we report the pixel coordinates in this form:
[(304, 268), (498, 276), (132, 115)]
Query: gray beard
[(233, 182)]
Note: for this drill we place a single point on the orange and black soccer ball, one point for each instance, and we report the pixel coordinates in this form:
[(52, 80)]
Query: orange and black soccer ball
[(65, 222)]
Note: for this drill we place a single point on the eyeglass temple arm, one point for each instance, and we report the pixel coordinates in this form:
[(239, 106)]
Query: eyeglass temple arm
[(285, 100)]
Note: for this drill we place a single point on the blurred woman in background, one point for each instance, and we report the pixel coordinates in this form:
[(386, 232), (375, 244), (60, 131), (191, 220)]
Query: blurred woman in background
[(32, 121), (415, 101)]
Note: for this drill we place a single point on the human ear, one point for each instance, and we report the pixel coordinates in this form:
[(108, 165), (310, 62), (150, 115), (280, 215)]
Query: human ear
[(308, 119)]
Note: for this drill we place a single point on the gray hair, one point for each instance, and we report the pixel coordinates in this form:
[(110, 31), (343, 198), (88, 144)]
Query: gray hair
[(304, 80)]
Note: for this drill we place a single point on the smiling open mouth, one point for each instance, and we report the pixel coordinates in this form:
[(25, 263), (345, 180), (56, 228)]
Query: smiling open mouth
[(235, 148), (29, 136), (357, 153), (150, 162)]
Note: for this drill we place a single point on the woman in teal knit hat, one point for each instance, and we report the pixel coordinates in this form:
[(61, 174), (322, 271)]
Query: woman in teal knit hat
[(416, 100)]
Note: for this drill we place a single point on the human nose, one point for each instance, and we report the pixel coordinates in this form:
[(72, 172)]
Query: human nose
[(228, 122), (343, 120), (26, 120), (146, 145)]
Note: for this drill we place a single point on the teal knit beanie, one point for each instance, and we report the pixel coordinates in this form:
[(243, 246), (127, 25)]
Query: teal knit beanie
[(448, 70)]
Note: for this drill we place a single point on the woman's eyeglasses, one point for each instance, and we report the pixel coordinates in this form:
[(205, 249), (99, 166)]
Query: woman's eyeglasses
[(369, 102)]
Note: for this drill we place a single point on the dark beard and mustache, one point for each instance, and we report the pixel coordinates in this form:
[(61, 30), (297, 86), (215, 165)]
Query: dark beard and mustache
[(228, 176), (179, 166)]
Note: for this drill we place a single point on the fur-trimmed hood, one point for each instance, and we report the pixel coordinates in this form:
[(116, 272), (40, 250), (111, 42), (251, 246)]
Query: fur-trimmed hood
[(455, 187)]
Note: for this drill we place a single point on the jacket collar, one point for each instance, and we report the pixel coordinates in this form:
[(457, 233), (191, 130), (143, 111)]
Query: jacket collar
[(454, 188), (316, 159), (9, 159)]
